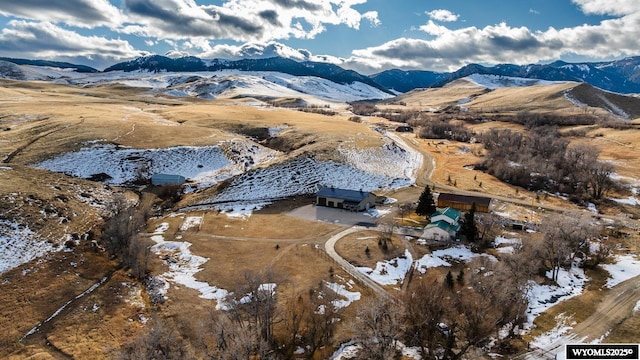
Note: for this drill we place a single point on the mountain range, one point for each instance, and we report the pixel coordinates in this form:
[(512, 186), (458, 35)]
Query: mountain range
[(620, 76)]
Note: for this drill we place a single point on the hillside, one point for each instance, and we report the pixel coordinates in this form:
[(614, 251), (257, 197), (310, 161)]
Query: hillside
[(493, 93)]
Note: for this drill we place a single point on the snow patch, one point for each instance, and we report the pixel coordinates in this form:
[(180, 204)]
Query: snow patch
[(543, 297), (205, 165), (19, 245), (183, 266), (442, 257), (624, 268), (342, 291), (389, 272)]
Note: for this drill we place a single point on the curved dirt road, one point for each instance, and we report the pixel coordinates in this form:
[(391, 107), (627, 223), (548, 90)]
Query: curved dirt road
[(616, 306)]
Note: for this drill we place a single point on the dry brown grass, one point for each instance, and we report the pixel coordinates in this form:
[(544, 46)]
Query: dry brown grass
[(626, 332), (64, 117), (352, 248), (31, 293), (452, 168), (51, 204)]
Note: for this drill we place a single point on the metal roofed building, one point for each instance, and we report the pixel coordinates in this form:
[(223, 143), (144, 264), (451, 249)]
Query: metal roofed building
[(353, 200), (167, 179), (444, 225)]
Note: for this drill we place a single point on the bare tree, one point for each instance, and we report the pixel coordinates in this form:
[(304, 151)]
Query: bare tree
[(599, 179), (120, 234), (254, 305), (405, 209), (566, 238), (425, 310), (376, 329), (159, 341)]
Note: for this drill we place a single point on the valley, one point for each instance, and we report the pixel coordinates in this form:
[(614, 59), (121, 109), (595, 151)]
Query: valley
[(239, 261)]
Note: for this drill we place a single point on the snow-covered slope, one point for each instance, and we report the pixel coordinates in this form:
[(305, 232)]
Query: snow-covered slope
[(204, 165), (496, 81), (253, 183)]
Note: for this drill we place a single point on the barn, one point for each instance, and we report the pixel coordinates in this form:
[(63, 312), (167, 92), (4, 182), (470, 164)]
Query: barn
[(353, 200), (463, 202), (167, 179)]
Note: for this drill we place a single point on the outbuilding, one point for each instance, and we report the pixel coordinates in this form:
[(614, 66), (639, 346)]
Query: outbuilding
[(463, 202), (353, 200), (167, 179)]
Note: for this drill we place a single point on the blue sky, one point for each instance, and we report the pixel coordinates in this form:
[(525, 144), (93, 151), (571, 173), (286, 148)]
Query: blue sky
[(365, 35)]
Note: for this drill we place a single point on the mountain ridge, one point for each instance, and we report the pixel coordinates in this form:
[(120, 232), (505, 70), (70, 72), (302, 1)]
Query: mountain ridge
[(620, 76)]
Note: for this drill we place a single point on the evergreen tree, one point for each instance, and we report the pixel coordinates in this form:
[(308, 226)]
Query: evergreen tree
[(448, 280), (468, 228), (460, 278), (426, 205)]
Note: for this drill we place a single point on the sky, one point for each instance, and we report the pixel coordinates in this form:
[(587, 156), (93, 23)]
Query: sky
[(368, 36)]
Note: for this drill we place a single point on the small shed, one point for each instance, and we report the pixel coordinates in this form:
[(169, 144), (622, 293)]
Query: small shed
[(167, 179), (404, 129), (464, 202), (353, 200)]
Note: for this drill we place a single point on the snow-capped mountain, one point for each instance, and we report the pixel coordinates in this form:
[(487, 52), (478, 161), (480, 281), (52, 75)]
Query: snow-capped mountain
[(157, 63), (621, 76)]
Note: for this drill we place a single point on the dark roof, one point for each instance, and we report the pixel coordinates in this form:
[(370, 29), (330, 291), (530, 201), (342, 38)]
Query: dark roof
[(350, 195), (464, 199)]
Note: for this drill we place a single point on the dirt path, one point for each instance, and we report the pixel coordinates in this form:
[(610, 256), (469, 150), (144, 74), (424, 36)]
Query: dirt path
[(616, 306), (38, 335), (20, 149)]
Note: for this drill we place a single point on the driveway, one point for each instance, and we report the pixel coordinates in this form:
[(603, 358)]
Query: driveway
[(333, 216)]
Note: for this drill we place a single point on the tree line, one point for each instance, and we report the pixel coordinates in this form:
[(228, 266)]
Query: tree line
[(542, 160)]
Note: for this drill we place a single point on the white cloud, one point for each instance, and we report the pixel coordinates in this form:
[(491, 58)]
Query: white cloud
[(241, 20), (372, 17), (608, 7), (45, 40), (442, 15), (80, 13), (450, 49)]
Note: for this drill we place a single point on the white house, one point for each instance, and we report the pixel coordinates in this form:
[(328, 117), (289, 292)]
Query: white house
[(444, 225)]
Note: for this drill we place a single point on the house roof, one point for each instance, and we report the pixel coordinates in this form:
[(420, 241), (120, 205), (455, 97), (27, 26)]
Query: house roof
[(349, 195), (444, 226), (451, 213), (464, 199)]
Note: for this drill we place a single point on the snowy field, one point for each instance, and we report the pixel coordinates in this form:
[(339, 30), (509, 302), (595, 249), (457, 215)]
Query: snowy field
[(497, 81), (624, 268), (256, 188)]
